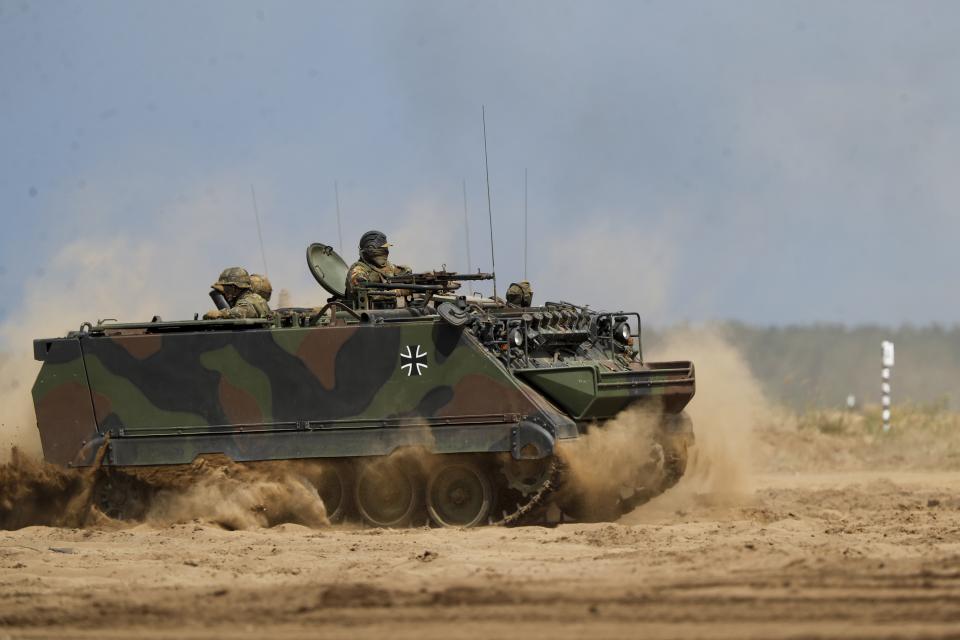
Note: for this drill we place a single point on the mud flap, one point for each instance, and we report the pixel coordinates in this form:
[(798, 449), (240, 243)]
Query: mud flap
[(530, 441)]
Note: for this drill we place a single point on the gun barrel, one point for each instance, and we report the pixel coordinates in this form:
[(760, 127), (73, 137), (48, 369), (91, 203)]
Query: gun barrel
[(404, 286), (439, 277)]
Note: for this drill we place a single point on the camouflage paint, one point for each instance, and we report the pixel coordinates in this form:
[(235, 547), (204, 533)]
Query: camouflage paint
[(256, 392), (281, 393)]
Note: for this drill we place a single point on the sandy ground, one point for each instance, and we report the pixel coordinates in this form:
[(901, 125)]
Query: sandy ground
[(854, 555)]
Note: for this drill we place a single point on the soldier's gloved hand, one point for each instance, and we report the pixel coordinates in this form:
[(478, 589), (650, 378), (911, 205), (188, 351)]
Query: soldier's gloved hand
[(403, 270), (453, 286), (212, 315)]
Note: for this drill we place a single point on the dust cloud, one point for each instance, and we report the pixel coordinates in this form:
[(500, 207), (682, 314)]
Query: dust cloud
[(228, 495), (82, 281), (727, 409), (17, 421), (243, 497), (609, 458), (36, 493), (122, 276)]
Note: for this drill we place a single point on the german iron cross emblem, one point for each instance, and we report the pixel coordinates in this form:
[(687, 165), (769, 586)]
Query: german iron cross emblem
[(413, 362)]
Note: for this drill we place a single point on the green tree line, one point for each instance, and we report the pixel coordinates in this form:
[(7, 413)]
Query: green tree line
[(817, 366)]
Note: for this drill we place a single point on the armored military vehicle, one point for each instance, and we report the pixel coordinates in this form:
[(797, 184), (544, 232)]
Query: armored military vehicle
[(409, 400)]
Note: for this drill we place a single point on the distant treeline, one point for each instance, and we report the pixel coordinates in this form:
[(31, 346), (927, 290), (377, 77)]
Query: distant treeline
[(818, 366)]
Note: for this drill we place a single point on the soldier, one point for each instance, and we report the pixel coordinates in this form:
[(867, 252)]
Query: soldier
[(519, 294), (373, 266), (261, 286), (234, 284)]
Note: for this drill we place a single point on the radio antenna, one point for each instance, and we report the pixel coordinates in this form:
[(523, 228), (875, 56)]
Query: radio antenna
[(466, 228), (525, 223), (336, 195), (256, 213), (486, 165)]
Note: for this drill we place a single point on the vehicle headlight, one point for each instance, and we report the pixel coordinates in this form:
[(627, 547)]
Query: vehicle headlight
[(621, 333), (516, 338)]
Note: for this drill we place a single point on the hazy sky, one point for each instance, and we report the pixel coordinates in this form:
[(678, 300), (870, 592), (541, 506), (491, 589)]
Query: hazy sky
[(773, 162)]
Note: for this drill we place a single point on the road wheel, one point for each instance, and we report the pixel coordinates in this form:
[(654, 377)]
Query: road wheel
[(459, 494), (387, 493), (335, 485)]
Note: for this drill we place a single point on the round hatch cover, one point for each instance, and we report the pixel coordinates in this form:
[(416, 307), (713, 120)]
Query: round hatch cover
[(328, 268)]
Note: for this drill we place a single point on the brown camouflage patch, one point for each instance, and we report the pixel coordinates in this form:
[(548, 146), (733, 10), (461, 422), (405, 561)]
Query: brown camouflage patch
[(63, 409), (475, 394), (140, 347), (239, 405), (102, 406), (319, 352)]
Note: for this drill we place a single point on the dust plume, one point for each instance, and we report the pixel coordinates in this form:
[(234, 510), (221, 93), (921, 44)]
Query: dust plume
[(726, 409), (17, 421), (232, 496), (622, 455), (242, 497), (609, 459), (36, 493), (109, 275)]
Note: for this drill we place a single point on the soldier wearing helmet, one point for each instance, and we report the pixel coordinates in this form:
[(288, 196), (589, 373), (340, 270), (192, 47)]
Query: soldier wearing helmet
[(261, 286), (234, 284), (374, 266), (520, 294)]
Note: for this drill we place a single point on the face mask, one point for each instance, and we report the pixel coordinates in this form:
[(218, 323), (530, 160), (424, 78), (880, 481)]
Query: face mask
[(378, 256), (230, 294)]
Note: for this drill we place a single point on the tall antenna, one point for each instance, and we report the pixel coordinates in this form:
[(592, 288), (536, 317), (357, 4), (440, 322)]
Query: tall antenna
[(336, 195), (486, 165), (256, 213), (525, 223), (466, 227)]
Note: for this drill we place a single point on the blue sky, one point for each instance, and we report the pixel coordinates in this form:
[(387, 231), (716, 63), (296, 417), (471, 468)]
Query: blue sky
[(771, 162)]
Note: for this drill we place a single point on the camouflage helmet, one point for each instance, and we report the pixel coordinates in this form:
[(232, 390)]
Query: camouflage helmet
[(261, 285), (520, 294), (237, 276), (373, 240)]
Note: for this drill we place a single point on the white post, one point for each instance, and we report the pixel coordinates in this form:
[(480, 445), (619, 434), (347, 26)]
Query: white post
[(886, 348)]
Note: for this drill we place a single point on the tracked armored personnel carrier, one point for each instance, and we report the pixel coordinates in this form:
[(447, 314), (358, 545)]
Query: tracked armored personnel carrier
[(409, 401)]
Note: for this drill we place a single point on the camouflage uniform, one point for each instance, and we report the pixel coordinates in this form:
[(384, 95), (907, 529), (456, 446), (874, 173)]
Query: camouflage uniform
[(261, 285), (361, 271), (234, 284), (373, 246), (248, 305), (519, 294)]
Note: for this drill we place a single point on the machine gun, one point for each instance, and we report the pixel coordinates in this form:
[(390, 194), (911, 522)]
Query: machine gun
[(417, 288), (437, 281)]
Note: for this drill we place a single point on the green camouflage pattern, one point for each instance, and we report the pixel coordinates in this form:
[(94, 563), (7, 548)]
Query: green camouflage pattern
[(280, 393), (262, 392), (447, 373)]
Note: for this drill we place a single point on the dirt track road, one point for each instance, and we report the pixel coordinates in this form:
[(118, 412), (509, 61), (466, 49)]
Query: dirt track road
[(852, 555)]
